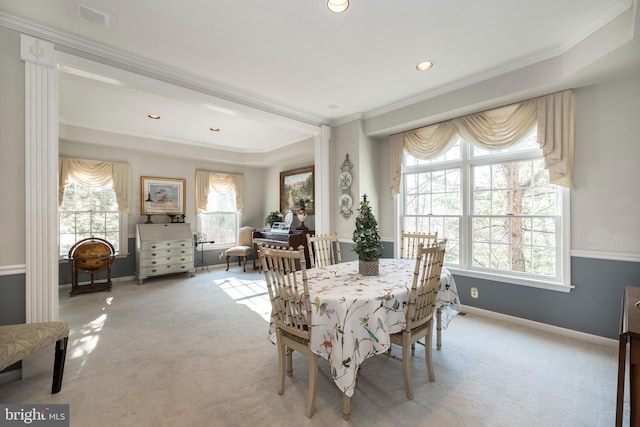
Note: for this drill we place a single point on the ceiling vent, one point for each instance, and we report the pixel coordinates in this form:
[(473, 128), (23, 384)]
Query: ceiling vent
[(93, 15)]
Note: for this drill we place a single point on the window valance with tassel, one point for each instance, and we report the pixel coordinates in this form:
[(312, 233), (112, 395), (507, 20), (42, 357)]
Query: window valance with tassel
[(95, 173), (550, 115), (221, 183)]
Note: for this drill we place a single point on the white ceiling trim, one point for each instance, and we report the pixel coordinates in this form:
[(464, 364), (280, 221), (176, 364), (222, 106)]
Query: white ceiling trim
[(67, 63), (182, 76), (540, 56)]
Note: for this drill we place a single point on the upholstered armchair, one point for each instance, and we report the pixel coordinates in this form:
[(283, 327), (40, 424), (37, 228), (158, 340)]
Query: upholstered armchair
[(244, 247)]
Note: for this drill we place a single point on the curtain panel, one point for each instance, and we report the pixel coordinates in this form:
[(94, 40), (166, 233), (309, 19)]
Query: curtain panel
[(95, 173), (551, 115), (221, 183)]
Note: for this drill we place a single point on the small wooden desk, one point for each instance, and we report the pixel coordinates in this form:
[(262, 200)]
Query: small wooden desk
[(629, 334)]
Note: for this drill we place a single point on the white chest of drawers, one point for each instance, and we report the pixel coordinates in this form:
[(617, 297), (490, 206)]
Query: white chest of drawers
[(163, 249)]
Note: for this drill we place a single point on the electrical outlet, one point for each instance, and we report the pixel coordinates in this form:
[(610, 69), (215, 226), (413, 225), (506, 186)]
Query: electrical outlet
[(220, 255), (474, 292)]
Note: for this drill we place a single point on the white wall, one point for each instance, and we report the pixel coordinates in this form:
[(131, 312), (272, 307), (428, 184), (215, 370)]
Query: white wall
[(605, 204), (345, 140), (165, 166), (12, 160)]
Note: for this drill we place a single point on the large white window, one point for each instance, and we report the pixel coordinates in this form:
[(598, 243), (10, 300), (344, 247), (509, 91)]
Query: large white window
[(219, 221), (90, 212), (219, 204), (501, 216), (93, 202)]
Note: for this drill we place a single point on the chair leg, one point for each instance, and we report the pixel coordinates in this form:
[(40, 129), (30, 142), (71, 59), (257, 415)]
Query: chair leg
[(346, 407), (244, 266), (289, 362), (406, 366), (58, 365), (313, 385), (281, 365), (228, 256), (428, 343), (439, 328)]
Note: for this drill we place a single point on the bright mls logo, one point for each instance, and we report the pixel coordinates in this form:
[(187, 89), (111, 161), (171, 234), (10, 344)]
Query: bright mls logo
[(34, 415)]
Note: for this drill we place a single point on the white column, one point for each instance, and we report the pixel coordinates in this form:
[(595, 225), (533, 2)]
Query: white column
[(41, 170), (323, 182)]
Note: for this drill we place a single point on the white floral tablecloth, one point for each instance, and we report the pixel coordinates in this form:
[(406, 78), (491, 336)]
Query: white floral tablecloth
[(353, 314)]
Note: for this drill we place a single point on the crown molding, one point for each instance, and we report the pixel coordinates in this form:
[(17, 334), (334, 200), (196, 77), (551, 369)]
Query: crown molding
[(180, 76)]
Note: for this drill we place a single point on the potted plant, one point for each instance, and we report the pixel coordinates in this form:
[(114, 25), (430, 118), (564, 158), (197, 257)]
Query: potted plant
[(367, 241), (274, 216)]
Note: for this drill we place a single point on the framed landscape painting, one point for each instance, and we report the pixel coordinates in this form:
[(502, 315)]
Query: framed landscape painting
[(297, 184), (160, 196)]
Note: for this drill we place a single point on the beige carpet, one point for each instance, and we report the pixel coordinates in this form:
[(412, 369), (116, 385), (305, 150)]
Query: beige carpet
[(180, 351)]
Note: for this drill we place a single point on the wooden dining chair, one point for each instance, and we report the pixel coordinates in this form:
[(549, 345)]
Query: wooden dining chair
[(324, 250), (408, 250), (410, 241), (421, 309), (291, 307)]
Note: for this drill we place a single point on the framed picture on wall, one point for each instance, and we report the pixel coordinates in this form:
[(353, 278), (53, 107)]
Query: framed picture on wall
[(295, 185), (162, 196)]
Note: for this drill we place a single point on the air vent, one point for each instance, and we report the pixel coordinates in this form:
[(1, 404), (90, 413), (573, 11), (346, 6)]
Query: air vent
[(93, 15)]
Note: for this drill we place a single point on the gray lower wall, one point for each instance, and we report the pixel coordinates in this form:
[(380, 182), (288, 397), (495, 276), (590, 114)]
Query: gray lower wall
[(593, 307)]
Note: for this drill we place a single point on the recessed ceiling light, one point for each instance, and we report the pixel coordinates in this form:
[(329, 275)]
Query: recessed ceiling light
[(333, 106), (214, 129), (424, 66), (153, 116), (338, 6)]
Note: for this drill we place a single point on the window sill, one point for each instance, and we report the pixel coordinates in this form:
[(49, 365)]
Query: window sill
[(521, 281)]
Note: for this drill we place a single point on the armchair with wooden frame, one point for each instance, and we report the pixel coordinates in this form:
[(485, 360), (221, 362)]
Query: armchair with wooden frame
[(324, 250), (244, 247), (421, 309)]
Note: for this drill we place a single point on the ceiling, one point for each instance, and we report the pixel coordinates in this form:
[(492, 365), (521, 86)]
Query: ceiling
[(269, 73)]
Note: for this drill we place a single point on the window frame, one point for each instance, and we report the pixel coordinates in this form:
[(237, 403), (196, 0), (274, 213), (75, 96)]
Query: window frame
[(562, 280), (123, 231), (218, 246)]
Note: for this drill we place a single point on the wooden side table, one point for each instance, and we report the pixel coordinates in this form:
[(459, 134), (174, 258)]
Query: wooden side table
[(629, 334)]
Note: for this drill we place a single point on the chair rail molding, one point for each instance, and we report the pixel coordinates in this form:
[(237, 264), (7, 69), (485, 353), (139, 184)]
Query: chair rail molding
[(10, 270), (41, 171)]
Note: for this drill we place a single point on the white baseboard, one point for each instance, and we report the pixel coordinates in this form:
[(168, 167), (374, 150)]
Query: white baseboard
[(595, 339)]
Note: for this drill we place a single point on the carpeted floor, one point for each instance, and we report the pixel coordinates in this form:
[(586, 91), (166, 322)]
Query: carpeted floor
[(180, 351)]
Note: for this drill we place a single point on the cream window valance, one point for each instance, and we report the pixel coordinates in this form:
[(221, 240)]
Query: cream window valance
[(221, 183), (551, 115), (95, 173)]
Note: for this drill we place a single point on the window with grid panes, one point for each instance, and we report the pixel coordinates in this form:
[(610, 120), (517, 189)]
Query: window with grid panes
[(497, 209), (90, 212), (220, 220)]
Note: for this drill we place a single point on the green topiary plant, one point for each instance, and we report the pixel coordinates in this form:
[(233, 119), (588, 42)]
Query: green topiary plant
[(367, 241)]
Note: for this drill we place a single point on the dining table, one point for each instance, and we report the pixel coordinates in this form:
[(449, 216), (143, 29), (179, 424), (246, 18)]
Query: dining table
[(353, 315)]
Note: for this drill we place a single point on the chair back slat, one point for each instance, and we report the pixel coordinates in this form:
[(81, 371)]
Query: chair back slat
[(410, 241), (288, 289), (324, 250), (426, 281)]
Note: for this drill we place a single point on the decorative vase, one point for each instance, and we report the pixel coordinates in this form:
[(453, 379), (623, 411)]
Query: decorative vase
[(369, 268), (302, 215)]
